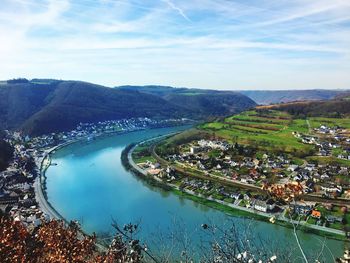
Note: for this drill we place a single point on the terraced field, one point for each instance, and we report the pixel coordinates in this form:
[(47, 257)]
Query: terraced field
[(268, 130)]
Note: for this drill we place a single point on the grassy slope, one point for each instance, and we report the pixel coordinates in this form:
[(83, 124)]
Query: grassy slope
[(269, 131), (274, 131), (315, 122)]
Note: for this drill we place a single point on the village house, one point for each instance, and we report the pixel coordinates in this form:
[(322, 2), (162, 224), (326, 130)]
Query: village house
[(316, 214), (263, 206), (301, 209)]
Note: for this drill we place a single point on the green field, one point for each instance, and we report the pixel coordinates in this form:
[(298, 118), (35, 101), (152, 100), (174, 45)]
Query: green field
[(316, 122), (328, 160), (268, 130), (141, 154)]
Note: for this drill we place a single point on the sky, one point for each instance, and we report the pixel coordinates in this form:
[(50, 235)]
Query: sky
[(216, 44)]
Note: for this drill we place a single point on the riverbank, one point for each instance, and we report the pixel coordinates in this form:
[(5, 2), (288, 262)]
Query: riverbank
[(39, 184), (228, 208), (44, 163)]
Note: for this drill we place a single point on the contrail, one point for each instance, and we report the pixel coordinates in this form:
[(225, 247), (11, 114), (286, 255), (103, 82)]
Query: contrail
[(179, 10)]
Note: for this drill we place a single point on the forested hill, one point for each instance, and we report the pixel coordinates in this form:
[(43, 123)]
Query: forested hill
[(336, 108), (42, 106), (262, 97), (205, 102), (265, 97)]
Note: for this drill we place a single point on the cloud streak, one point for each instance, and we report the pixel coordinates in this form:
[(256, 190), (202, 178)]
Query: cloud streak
[(177, 9)]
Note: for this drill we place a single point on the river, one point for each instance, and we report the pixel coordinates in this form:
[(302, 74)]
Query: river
[(89, 184)]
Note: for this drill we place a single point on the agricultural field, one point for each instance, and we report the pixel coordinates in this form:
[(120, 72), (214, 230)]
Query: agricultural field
[(316, 122), (266, 129), (142, 154)]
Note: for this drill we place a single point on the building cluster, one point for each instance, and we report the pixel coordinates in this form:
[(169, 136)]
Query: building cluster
[(327, 180), (329, 141), (243, 198), (92, 130), (211, 190), (164, 173), (275, 173), (17, 196), (323, 214)]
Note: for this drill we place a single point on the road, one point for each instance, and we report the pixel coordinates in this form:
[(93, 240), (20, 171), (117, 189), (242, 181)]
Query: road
[(39, 194), (43, 204), (316, 227), (309, 126), (132, 163), (210, 177)]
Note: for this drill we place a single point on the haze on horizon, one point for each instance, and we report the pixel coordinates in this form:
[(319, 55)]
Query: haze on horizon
[(215, 44)]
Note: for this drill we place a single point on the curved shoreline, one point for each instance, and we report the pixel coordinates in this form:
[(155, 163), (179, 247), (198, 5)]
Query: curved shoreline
[(234, 210), (40, 181), (40, 184)]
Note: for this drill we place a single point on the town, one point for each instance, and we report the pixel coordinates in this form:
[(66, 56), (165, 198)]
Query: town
[(273, 184)]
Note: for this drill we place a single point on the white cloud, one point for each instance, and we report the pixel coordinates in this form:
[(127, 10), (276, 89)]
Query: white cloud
[(202, 43)]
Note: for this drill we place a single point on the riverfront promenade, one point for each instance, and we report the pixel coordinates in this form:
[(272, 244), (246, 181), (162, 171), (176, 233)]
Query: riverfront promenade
[(43, 204), (43, 163)]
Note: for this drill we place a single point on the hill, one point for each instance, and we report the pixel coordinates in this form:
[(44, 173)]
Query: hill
[(203, 102), (271, 127), (270, 130), (265, 97), (43, 106), (335, 108), (273, 130)]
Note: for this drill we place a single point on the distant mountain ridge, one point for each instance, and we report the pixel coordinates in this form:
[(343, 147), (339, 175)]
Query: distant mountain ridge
[(265, 97), (262, 97), (43, 105)]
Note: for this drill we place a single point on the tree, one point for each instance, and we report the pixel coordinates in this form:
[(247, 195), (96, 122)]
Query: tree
[(55, 241), (6, 153)]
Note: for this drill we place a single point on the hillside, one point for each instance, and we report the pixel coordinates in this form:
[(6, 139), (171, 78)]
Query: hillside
[(6, 152), (265, 97), (204, 102), (43, 106), (273, 129), (269, 130), (335, 108), (270, 126)]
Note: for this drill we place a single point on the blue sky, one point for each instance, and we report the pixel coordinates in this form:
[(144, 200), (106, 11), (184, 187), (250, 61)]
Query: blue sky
[(219, 44)]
